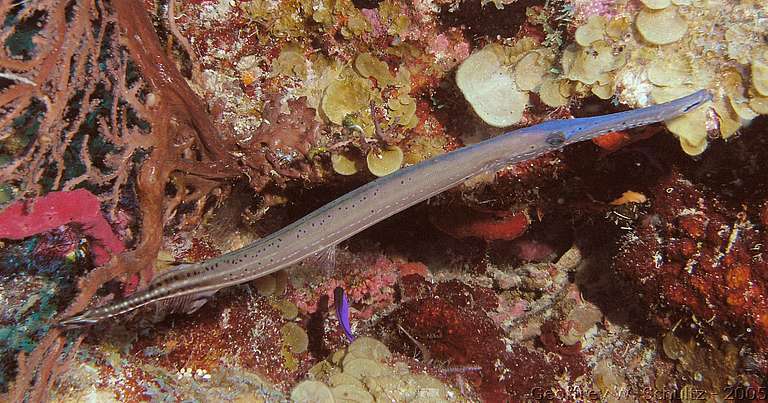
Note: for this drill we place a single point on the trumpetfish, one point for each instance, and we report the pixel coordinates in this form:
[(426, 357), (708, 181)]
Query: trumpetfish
[(193, 284)]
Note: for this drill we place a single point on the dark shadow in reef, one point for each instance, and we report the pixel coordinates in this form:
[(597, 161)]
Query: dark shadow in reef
[(316, 329), (486, 22)]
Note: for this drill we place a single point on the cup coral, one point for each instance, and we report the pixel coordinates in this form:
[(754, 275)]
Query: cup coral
[(384, 162), (343, 165), (490, 88)]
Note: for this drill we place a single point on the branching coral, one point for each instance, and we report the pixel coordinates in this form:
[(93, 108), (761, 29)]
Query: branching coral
[(91, 100)]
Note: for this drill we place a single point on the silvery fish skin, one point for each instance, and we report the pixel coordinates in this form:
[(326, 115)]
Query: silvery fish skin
[(373, 202)]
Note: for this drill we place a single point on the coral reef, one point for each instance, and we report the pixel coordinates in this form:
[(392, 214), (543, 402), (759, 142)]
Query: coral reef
[(702, 256), (137, 135), (674, 48), (362, 373)]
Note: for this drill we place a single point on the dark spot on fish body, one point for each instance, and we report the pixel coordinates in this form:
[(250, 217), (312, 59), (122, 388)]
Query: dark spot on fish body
[(557, 139), (691, 106)]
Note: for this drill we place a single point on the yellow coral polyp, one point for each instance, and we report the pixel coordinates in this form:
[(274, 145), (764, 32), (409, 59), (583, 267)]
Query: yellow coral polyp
[(588, 65), (359, 374), (759, 70), (312, 392), (656, 4), (728, 121), (661, 27), (266, 285), (385, 162), (287, 309), (759, 105), (550, 93), (669, 71), (604, 91), (617, 27), (291, 62), (295, 337), (393, 18), (403, 110), (368, 347), (531, 69), (421, 147), (742, 108), (691, 128)]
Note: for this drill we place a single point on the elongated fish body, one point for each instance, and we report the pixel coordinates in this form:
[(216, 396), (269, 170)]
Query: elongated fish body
[(375, 201)]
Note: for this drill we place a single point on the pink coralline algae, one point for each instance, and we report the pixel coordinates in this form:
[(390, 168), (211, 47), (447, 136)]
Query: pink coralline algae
[(582, 9), (80, 207), (373, 18), (369, 283)]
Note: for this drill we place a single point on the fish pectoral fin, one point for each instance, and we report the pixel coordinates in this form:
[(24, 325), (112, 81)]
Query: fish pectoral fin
[(195, 305), (185, 303), (324, 259)]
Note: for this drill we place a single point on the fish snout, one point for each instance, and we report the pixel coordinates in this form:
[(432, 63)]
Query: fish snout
[(85, 318)]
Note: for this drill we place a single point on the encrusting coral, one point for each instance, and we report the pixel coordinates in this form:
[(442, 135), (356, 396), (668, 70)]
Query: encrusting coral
[(681, 47), (640, 56), (360, 373)]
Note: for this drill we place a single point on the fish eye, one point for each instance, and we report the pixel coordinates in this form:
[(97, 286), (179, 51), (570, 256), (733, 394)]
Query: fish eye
[(555, 139)]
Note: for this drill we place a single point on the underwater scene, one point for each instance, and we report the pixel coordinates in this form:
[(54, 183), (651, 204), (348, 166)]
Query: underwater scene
[(383, 200)]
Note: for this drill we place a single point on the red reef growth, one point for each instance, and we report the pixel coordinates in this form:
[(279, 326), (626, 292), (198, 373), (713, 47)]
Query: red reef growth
[(21, 220), (464, 222), (449, 320), (693, 253), (282, 144), (246, 329)]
